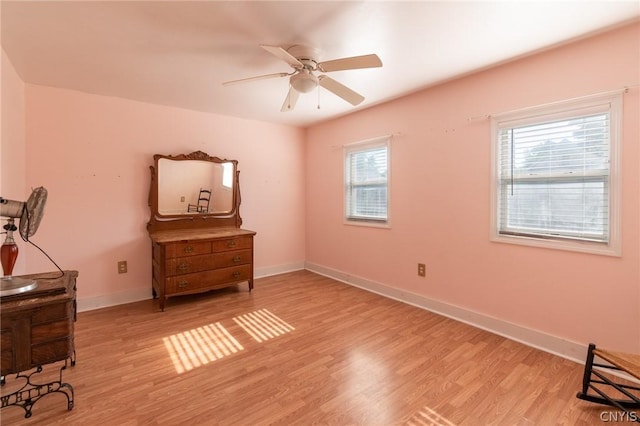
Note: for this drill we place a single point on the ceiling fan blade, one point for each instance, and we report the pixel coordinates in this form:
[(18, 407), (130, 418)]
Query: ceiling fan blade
[(260, 77), (340, 90), (291, 99), (352, 63), (284, 55)]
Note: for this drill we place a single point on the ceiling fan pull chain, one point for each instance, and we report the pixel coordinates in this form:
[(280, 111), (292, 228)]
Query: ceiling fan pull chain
[(318, 98)]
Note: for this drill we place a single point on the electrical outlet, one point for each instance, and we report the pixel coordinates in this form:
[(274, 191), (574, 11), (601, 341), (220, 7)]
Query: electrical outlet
[(422, 271), (122, 267), (182, 199)]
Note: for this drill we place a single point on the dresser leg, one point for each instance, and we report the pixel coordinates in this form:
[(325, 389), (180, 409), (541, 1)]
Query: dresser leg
[(251, 284)]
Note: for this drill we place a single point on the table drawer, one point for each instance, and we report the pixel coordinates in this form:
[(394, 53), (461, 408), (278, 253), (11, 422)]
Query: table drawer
[(237, 243), (51, 331), (52, 313), (208, 279), (187, 249), (56, 350)]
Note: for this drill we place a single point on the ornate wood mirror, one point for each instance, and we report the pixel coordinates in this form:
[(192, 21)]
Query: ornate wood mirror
[(192, 191)]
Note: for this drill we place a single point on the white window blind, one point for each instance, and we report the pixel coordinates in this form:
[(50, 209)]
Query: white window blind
[(366, 181), (554, 174)]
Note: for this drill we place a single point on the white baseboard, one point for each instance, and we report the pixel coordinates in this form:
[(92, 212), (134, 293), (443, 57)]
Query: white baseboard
[(104, 301), (564, 348), (136, 295), (279, 269)]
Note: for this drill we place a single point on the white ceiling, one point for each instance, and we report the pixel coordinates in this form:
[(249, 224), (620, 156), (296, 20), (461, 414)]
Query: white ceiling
[(178, 53)]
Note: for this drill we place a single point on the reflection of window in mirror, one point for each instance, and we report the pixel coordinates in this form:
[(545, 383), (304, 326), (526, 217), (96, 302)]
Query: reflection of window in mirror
[(227, 175)]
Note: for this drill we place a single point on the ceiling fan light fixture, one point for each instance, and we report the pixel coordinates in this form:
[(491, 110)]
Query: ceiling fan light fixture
[(304, 81)]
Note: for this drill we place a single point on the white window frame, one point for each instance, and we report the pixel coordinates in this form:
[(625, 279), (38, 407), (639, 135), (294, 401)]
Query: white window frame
[(348, 149), (559, 110)]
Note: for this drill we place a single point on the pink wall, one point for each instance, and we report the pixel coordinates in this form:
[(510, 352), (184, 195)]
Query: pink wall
[(12, 147), (93, 154), (440, 199)]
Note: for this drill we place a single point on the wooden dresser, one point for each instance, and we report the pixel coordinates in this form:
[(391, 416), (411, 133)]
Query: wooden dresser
[(203, 250), (194, 261)]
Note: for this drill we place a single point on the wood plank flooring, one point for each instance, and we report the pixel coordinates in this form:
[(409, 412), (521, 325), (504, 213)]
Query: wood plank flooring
[(303, 349)]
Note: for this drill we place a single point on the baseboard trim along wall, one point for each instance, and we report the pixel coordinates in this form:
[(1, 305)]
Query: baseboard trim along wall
[(121, 298), (279, 269), (555, 345), (136, 295)]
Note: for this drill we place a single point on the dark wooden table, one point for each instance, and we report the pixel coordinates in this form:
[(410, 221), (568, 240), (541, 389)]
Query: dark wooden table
[(36, 329)]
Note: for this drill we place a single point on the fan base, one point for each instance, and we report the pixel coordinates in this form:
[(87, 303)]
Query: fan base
[(13, 285)]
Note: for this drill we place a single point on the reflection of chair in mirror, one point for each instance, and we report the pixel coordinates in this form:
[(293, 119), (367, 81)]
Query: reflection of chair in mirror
[(203, 202)]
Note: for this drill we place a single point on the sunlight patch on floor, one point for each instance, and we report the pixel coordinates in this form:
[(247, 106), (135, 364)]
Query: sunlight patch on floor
[(200, 346), (262, 325), (428, 417)]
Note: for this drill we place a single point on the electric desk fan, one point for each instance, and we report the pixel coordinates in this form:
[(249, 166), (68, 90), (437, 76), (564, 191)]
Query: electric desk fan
[(30, 214)]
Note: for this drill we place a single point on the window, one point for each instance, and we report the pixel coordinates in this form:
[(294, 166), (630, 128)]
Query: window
[(367, 182), (555, 175)]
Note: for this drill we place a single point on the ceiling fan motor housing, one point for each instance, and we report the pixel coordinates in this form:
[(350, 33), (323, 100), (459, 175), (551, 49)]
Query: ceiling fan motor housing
[(310, 56), (304, 81)]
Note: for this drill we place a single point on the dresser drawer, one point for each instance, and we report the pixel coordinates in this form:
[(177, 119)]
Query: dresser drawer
[(207, 279), (233, 258), (189, 264), (237, 243), (187, 249)]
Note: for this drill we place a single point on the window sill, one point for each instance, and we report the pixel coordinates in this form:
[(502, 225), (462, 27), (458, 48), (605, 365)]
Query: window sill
[(568, 245), (368, 224)]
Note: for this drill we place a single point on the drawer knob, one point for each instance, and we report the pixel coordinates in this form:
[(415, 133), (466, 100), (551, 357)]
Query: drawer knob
[(231, 243), (188, 249), (183, 266), (236, 259), (183, 284), (236, 274)]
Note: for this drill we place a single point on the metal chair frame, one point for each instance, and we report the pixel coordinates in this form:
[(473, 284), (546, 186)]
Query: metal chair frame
[(593, 380)]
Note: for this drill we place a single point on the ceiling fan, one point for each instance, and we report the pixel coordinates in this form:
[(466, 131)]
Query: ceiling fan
[(303, 60)]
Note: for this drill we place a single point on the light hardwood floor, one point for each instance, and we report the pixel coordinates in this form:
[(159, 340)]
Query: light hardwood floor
[(303, 349)]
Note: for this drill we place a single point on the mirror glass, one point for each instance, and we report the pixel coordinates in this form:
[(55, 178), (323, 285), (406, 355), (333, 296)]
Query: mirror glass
[(188, 187)]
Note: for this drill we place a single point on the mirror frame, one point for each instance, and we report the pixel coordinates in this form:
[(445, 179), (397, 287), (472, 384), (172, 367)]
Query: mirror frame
[(160, 222)]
